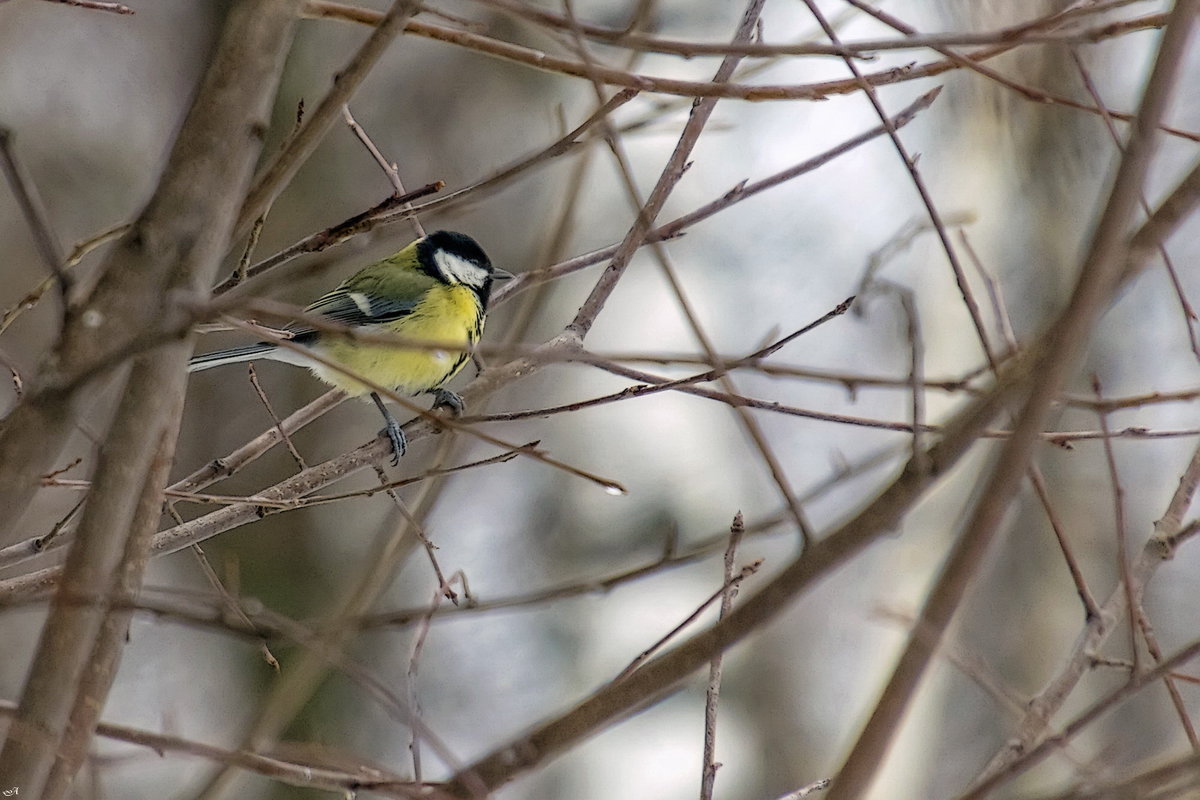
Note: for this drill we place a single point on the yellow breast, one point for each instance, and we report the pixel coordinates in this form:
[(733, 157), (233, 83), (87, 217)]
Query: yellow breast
[(448, 314)]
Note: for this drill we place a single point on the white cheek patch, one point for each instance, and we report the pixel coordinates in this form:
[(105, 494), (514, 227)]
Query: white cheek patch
[(459, 270)]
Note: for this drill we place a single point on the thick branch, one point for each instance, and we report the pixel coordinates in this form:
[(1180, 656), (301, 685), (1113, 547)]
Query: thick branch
[(1101, 275), (174, 247)]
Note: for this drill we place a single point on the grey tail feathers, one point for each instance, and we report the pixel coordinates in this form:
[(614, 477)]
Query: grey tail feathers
[(234, 355)]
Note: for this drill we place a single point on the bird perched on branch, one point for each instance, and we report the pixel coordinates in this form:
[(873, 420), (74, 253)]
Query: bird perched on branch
[(435, 290)]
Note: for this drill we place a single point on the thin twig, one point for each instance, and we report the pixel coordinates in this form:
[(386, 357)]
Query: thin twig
[(708, 772), (305, 775), (389, 167), (324, 239), (658, 645), (384, 212), (414, 703), (96, 5), (216, 470), (1169, 532), (658, 249), (1049, 745), (806, 791), (737, 194), (910, 164), (667, 180), (1189, 313), (270, 181), (430, 548), (753, 92), (1000, 312), (1091, 609), (1156, 653), (229, 599), (1024, 33), (262, 396), (34, 210), (34, 295), (1122, 532)]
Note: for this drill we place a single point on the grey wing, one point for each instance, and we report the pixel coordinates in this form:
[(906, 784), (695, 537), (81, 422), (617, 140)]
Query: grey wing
[(351, 308)]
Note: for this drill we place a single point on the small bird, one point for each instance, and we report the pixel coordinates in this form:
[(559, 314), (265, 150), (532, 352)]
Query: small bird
[(435, 289)]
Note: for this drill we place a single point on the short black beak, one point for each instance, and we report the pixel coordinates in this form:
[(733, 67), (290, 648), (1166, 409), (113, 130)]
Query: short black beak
[(501, 274)]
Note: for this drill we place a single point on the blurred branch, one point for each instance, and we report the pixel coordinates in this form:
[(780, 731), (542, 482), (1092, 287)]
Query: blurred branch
[(971, 61), (716, 89), (309, 776), (1048, 746), (1107, 265), (658, 250), (34, 210), (1177, 778), (303, 678), (708, 774), (931, 209), (385, 212), (1100, 277), (80, 250), (151, 399), (738, 193), (1023, 33), (1189, 313), (1168, 533), (175, 246), (271, 179), (98, 5)]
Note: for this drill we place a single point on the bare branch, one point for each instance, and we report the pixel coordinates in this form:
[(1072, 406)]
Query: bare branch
[(97, 5), (1099, 279), (271, 180), (175, 246)]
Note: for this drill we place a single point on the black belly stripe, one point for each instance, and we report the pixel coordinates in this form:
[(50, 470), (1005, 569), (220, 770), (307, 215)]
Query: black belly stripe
[(472, 337)]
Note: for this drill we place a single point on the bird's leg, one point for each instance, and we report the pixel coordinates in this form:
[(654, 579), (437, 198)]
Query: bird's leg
[(392, 430), (449, 399)]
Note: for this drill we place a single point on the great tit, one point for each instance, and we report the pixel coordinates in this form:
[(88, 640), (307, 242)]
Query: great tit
[(435, 289)]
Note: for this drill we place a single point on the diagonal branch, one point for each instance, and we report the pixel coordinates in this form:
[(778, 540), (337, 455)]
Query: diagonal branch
[(1061, 348), (271, 179), (672, 172)]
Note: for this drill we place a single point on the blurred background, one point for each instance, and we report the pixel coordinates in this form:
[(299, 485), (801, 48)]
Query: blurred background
[(93, 101)]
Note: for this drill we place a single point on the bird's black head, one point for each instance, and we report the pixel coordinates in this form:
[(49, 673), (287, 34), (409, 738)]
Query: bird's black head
[(457, 259)]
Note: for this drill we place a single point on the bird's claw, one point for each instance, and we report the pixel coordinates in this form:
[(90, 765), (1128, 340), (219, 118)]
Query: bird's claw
[(399, 441), (448, 399)]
